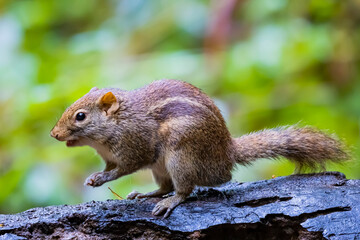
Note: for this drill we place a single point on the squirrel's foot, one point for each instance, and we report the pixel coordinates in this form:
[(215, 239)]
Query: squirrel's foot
[(157, 193), (167, 205), (133, 195), (96, 179)]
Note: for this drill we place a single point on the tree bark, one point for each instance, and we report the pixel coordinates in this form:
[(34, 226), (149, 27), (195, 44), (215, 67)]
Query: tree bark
[(309, 206)]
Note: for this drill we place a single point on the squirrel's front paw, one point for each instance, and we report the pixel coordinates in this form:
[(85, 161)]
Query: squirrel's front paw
[(95, 179)]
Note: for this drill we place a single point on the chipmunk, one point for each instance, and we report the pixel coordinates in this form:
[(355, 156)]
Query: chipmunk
[(174, 129)]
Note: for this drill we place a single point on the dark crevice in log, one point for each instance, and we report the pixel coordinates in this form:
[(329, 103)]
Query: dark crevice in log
[(263, 201)]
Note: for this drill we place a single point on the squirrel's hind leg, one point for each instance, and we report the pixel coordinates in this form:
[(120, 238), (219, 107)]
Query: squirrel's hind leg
[(182, 179)]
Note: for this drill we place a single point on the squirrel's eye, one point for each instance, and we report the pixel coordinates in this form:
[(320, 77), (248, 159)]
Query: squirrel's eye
[(80, 116)]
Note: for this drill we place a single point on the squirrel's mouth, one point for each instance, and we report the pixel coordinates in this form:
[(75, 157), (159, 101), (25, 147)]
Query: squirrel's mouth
[(70, 143)]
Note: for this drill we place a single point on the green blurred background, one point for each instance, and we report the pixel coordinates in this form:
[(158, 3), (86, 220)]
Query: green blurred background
[(266, 63)]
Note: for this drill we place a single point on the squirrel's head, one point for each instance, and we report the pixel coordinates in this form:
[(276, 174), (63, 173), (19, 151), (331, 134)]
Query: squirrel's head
[(85, 119)]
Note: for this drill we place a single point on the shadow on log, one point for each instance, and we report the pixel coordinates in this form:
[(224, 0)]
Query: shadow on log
[(314, 206)]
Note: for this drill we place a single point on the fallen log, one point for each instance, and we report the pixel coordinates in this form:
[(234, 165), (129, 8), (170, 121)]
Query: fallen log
[(308, 206)]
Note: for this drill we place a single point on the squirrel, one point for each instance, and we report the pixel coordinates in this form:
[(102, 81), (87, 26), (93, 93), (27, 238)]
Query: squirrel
[(174, 129)]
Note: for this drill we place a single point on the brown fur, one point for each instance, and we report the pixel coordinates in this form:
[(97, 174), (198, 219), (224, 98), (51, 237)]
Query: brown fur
[(176, 130), (296, 144)]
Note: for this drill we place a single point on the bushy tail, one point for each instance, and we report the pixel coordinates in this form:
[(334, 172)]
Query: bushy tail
[(304, 146)]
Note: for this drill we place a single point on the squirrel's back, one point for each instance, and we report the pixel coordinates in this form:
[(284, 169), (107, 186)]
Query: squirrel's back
[(166, 91), (172, 101)]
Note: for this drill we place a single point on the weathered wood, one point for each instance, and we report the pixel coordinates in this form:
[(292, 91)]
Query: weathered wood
[(314, 206)]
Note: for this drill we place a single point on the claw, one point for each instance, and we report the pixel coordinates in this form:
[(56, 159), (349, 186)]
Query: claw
[(95, 179), (167, 205), (158, 210), (133, 195), (141, 195), (167, 214), (88, 182)]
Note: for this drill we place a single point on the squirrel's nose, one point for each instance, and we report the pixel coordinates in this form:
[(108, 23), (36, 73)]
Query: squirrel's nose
[(52, 134)]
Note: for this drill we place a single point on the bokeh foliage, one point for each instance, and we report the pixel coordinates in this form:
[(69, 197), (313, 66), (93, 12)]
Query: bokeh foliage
[(265, 62)]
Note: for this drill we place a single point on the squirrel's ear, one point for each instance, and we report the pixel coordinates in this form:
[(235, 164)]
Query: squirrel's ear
[(108, 103)]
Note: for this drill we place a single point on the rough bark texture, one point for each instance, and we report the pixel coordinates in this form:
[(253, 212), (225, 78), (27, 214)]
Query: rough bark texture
[(316, 206)]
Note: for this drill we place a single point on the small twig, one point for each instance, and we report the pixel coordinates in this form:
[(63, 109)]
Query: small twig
[(117, 195)]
